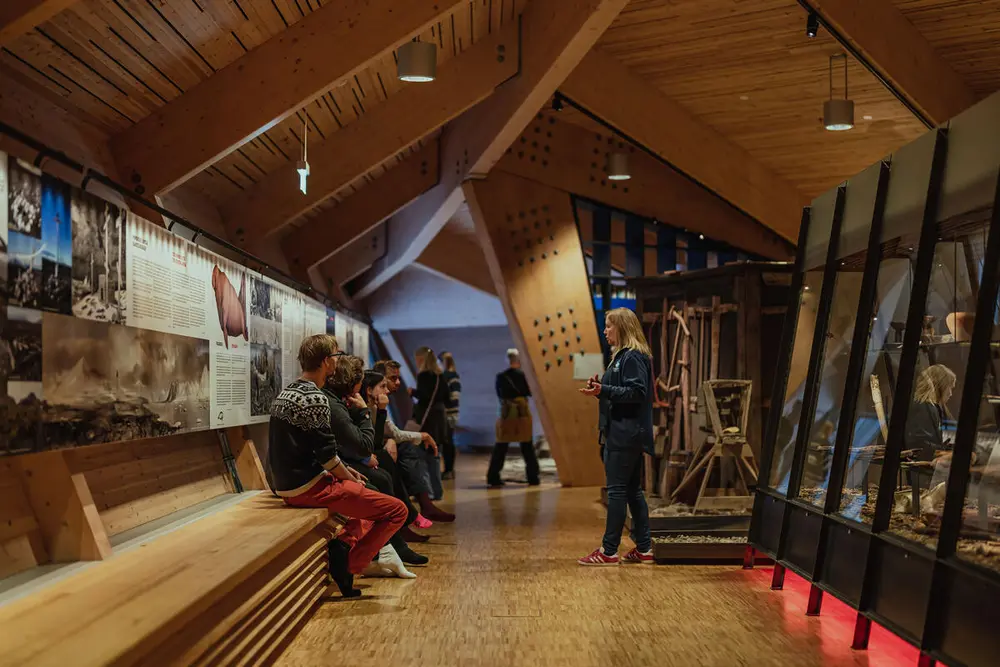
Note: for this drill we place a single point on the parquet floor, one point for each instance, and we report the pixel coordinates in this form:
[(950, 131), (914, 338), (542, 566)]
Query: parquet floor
[(503, 589)]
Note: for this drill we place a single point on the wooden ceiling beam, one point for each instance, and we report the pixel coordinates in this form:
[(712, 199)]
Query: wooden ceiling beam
[(406, 117), (20, 16), (322, 236), (570, 158), (902, 56), (459, 258), (265, 86), (610, 91), (555, 35)]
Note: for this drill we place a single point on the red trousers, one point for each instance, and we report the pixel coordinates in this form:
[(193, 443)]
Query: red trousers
[(384, 514)]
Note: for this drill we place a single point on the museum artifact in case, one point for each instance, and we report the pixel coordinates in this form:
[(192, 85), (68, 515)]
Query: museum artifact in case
[(880, 473)]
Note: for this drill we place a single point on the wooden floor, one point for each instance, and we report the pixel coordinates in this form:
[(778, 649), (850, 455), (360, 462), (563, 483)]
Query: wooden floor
[(503, 589)]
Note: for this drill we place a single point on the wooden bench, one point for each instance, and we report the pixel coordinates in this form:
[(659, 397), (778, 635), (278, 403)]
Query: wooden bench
[(229, 588)]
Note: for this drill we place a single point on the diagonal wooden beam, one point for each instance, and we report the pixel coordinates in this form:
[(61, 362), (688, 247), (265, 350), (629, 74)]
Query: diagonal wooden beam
[(20, 16), (901, 55), (571, 158), (555, 35), (266, 85), (322, 236), (458, 258), (623, 99), (402, 120)]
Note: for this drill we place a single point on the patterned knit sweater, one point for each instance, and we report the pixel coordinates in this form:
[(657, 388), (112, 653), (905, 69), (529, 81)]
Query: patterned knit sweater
[(302, 446)]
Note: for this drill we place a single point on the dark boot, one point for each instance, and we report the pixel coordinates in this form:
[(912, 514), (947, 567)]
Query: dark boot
[(411, 536), (432, 512), (337, 552)]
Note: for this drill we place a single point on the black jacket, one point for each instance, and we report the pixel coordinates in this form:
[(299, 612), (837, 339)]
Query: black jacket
[(923, 429), (353, 430), (302, 445), (426, 395), (626, 402), (512, 384)]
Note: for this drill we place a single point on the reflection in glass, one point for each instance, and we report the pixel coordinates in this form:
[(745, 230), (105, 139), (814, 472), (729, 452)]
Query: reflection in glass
[(939, 378), (979, 539), (878, 383)]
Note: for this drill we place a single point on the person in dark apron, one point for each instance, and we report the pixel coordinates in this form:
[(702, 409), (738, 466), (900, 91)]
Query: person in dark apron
[(514, 422), (625, 395)]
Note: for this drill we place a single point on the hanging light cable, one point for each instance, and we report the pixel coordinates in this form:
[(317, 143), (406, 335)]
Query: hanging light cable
[(303, 165), (838, 115)]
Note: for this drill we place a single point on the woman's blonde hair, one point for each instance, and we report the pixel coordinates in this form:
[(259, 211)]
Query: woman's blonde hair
[(449, 362), (426, 360), (932, 384), (630, 334)]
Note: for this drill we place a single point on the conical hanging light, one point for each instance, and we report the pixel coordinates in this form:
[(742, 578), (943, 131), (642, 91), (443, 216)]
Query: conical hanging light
[(416, 62), (838, 115), (617, 167)]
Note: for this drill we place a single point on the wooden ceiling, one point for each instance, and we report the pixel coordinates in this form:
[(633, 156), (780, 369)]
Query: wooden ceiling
[(115, 61), (746, 68), (741, 67)]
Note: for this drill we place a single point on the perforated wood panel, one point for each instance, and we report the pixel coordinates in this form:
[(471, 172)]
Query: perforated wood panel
[(532, 248), (136, 482)]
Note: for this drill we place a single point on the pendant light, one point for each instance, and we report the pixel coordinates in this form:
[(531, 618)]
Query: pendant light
[(838, 115), (416, 62), (617, 167), (303, 165)]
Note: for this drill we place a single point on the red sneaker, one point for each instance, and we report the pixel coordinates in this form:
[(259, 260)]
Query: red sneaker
[(599, 558), (636, 556)]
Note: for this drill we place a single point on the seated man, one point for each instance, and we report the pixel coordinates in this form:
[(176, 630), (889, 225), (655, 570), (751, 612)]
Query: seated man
[(412, 462), (305, 470)]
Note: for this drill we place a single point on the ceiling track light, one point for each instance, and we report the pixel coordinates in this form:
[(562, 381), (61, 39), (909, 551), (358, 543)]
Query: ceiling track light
[(812, 25), (838, 114), (302, 166), (416, 62), (617, 167)]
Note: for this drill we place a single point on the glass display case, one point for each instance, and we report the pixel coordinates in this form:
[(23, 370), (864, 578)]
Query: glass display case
[(880, 474)]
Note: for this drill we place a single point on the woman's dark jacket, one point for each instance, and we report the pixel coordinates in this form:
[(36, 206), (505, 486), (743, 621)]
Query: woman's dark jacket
[(426, 396), (626, 403), (353, 429), (923, 429)]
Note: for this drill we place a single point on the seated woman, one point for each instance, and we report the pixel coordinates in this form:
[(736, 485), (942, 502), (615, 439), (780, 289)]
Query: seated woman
[(351, 425), (373, 388), (928, 411)]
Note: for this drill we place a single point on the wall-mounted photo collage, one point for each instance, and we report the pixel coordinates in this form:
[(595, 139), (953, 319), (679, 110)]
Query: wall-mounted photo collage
[(113, 328)]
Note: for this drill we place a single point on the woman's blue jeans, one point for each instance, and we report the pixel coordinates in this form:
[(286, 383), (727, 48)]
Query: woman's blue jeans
[(623, 469)]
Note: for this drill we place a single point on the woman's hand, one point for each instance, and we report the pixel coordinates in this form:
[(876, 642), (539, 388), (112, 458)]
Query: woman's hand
[(372, 462), (383, 401), (429, 443), (355, 401), (358, 477), (391, 450), (592, 388)]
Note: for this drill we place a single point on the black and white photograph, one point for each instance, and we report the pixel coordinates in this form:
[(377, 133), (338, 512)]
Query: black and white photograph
[(25, 198), (99, 266), (106, 382), (265, 378), (22, 335), (24, 270), (265, 313)]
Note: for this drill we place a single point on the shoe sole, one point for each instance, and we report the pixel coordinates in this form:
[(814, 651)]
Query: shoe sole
[(638, 562), (597, 564)]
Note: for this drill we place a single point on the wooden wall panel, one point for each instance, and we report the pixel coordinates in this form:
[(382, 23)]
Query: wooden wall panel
[(533, 252), (21, 545), (136, 482)]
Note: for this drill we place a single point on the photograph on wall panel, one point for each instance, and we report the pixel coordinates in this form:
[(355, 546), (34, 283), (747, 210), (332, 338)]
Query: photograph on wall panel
[(105, 382), (265, 312), (99, 271)]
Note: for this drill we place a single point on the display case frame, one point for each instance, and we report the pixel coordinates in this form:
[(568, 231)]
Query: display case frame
[(931, 598)]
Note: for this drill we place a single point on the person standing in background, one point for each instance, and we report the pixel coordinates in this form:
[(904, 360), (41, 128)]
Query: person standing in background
[(430, 412), (625, 433), (514, 423), (454, 384)]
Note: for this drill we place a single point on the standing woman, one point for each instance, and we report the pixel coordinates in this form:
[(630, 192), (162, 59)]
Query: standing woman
[(626, 432), (431, 411), (454, 384)]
